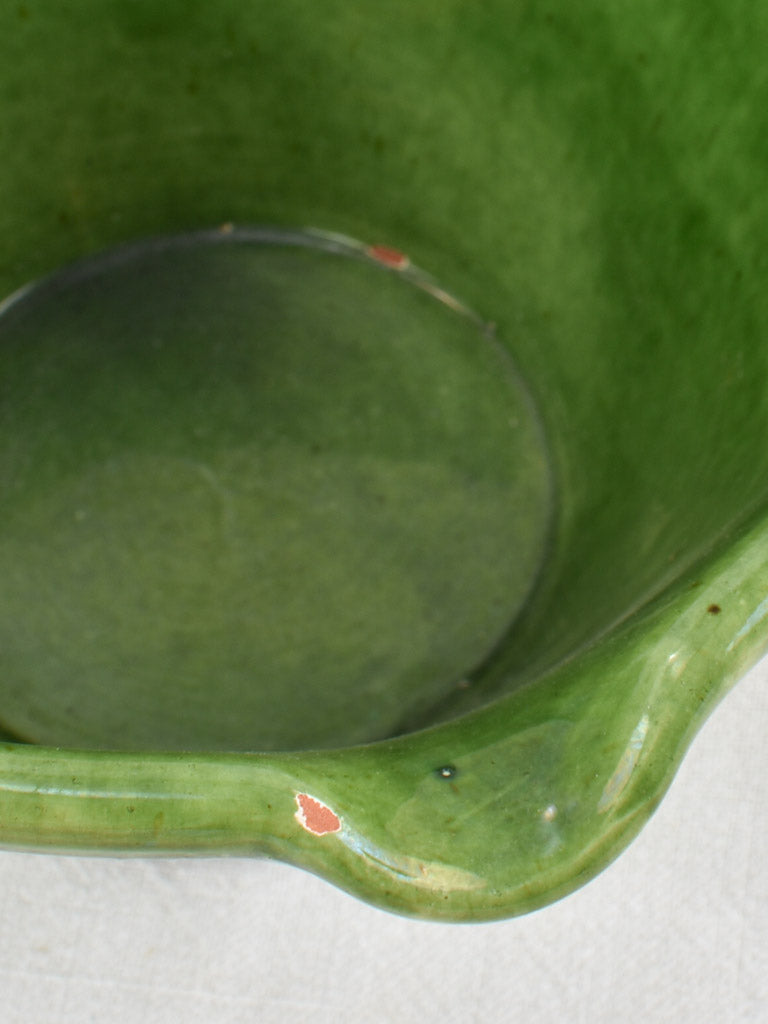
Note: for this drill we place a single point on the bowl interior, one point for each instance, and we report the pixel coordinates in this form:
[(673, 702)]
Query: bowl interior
[(588, 181)]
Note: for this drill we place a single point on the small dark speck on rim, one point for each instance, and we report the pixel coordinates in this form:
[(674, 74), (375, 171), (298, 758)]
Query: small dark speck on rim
[(446, 771), (714, 609)]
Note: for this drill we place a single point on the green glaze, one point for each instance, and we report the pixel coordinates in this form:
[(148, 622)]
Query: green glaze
[(591, 180), (285, 475)]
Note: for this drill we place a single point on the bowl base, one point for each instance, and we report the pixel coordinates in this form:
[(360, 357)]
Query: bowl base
[(261, 489)]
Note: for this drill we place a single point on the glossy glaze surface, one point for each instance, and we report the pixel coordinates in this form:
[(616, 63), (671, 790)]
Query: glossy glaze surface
[(592, 180)]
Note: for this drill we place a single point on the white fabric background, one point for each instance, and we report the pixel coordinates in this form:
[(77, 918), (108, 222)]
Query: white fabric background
[(675, 931)]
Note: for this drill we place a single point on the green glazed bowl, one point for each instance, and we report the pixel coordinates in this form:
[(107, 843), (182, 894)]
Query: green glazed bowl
[(590, 179)]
